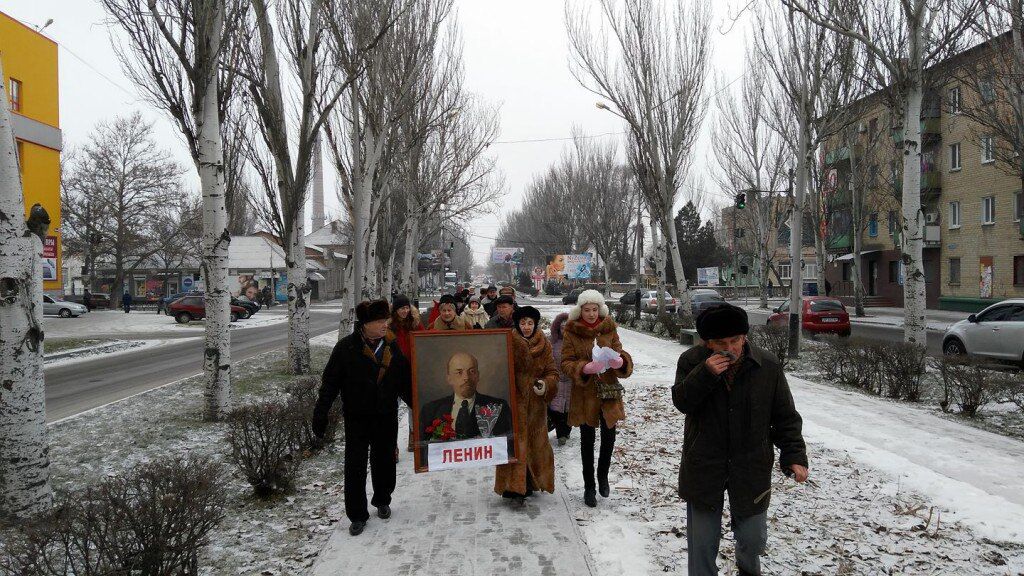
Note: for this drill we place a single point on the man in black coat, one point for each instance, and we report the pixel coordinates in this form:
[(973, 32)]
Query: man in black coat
[(737, 405), (368, 372)]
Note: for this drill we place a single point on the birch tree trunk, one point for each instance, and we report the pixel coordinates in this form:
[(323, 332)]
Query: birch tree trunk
[(389, 274), (762, 272), (24, 448), (216, 238), (857, 231), (298, 298), (685, 307), (660, 262), (410, 274), (796, 234), (347, 324), (914, 300)]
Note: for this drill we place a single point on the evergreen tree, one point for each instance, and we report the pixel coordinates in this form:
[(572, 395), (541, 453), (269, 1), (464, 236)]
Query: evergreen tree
[(697, 243)]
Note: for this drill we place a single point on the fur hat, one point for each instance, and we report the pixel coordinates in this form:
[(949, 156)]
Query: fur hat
[(400, 301), (588, 297), (722, 321), (446, 299), (504, 299), (556, 326), (526, 312), (368, 311), (507, 290)]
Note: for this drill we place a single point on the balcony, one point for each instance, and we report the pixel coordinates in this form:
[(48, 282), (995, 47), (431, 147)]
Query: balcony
[(837, 155), (931, 183), (931, 131), (932, 235)]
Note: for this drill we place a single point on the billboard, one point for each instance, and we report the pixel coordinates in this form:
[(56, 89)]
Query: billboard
[(571, 266), (507, 255), (50, 258), (708, 276)]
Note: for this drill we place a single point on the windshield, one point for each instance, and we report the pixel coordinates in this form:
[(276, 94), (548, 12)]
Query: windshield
[(827, 306), (707, 298)]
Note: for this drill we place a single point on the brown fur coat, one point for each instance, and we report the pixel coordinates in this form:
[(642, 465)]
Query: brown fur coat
[(585, 407), (533, 361), (458, 323)]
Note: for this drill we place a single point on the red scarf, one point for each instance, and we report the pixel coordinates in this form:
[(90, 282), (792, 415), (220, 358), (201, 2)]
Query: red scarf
[(594, 325)]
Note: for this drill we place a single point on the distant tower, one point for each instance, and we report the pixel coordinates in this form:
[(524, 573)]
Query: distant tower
[(318, 219)]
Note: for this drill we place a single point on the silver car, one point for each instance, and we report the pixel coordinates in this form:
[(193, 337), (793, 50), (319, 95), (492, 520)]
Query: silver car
[(995, 332), (54, 307)]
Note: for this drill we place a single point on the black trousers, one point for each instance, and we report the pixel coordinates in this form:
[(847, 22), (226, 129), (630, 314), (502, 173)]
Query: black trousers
[(375, 438), (604, 459), (561, 422)]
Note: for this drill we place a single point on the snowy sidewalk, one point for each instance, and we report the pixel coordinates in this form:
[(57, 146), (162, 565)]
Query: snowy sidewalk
[(452, 523)]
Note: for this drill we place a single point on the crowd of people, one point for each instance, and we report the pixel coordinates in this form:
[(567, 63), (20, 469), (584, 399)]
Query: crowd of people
[(734, 395)]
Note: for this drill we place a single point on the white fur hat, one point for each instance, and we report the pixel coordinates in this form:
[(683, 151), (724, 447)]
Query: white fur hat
[(588, 297)]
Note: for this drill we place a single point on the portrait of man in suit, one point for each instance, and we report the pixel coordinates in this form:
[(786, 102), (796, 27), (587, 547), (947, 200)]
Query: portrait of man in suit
[(473, 415)]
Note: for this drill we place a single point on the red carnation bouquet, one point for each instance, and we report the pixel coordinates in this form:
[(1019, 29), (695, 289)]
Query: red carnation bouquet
[(442, 429)]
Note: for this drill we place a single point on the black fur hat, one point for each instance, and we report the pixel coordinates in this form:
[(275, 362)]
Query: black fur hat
[(368, 311), (526, 312), (722, 321)]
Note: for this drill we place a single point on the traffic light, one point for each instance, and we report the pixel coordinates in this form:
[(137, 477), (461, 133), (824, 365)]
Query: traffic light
[(741, 200)]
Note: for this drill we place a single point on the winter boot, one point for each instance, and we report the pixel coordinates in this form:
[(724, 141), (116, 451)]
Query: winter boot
[(356, 528), (590, 497), (384, 512), (602, 486)]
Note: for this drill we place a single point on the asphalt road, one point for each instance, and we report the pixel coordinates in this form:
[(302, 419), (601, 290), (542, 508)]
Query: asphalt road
[(869, 331), (77, 387)]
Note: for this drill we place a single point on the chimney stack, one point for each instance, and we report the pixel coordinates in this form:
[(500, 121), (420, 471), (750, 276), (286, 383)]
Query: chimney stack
[(318, 219)]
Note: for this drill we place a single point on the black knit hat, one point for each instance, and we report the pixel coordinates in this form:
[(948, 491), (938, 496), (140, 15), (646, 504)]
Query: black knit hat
[(722, 321), (505, 299), (447, 299), (368, 311), (491, 288), (399, 301)]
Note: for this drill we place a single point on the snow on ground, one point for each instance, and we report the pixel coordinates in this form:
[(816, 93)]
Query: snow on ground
[(109, 349), (880, 469), (117, 322)]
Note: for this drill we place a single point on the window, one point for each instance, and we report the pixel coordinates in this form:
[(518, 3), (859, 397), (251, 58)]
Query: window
[(1018, 315), (15, 88), (954, 215), (827, 306), (987, 91), (1018, 206), (954, 271), (785, 271), (847, 272), (893, 223), (953, 98), (47, 299), (988, 210), (810, 270), (873, 224), (997, 314), (1018, 270), (988, 153), (894, 271), (954, 156)]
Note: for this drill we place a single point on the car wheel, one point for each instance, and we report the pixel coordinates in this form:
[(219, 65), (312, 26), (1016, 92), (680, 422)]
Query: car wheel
[(245, 315), (954, 347), (64, 313), (845, 334), (183, 318), (234, 317)]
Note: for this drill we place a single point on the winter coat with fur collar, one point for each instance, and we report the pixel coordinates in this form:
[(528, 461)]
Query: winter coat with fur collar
[(585, 406)]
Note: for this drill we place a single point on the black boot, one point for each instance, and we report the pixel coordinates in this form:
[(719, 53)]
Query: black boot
[(356, 528), (384, 512), (587, 458), (602, 487), (604, 459), (590, 497)]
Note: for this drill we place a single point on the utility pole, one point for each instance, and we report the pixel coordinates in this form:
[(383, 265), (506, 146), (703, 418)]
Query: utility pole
[(639, 242)]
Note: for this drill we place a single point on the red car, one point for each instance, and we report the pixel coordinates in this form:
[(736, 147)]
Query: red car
[(821, 315), (192, 308)]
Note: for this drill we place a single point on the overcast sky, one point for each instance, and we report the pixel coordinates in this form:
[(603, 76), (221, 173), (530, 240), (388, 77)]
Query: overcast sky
[(516, 57)]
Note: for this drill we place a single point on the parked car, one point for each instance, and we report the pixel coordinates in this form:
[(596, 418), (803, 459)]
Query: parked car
[(163, 304), (995, 332), (55, 307), (192, 308), (704, 298), (99, 300), (572, 296), (250, 306), (821, 315)]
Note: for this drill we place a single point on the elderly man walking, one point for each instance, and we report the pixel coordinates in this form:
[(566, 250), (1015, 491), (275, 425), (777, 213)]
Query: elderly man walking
[(737, 405)]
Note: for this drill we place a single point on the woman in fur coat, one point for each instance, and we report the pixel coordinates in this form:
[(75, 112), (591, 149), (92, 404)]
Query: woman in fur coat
[(536, 385), (596, 399), (474, 315), (558, 411)]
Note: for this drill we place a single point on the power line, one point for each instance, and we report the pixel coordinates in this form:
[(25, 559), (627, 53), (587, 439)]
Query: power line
[(94, 69)]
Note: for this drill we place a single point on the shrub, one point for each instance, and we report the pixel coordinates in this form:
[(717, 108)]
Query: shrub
[(152, 520), (968, 384), (669, 324), (901, 369), (774, 339), (266, 442), (1014, 391), (302, 393)]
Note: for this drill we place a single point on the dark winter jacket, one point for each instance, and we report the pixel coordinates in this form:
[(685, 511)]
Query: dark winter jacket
[(497, 322), (366, 385), (727, 443)]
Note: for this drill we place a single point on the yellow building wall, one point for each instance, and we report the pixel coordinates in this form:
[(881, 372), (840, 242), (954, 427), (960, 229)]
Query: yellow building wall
[(31, 58)]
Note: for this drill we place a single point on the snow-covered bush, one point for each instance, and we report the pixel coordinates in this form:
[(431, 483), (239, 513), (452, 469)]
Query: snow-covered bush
[(896, 370), (266, 443), (624, 315), (302, 393), (848, 361), (774, 339), (1015, 390), (152, 519), (968, 384)]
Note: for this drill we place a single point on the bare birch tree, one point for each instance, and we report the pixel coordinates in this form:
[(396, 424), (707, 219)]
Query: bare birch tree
[(902, 41), (653, 75), (24, 448), (175, 55)]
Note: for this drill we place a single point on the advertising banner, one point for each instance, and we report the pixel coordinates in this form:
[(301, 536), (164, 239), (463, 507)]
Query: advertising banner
[(708, 276), (577, 266), (507, 255), (50, 258)]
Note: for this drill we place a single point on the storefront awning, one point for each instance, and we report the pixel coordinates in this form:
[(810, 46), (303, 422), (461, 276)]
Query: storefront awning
[(316, 276), (850, 255)]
